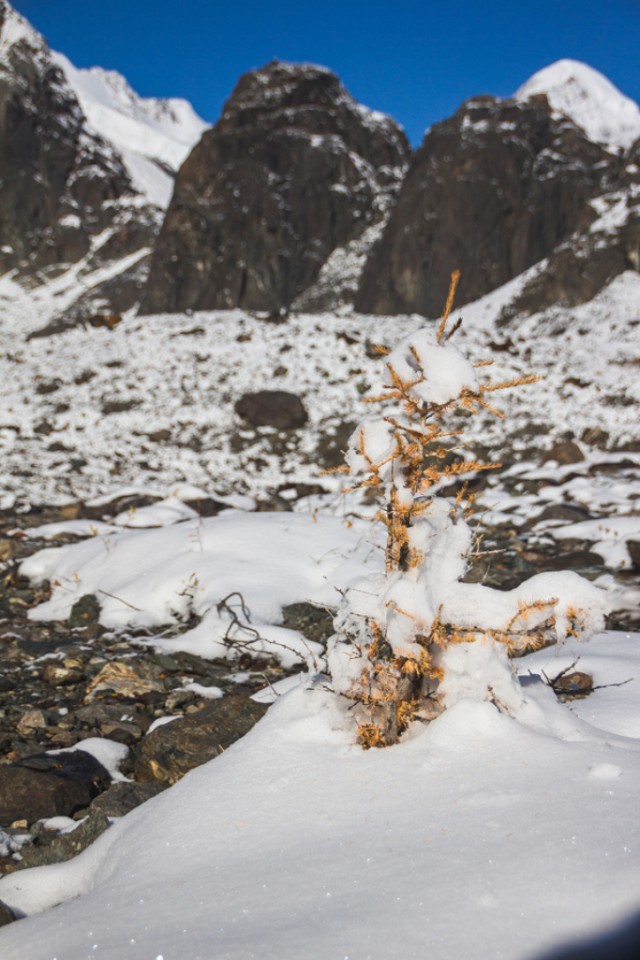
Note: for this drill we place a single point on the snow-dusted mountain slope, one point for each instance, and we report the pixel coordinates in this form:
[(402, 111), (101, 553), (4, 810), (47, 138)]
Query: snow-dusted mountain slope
[(152, 135), (585, 96)]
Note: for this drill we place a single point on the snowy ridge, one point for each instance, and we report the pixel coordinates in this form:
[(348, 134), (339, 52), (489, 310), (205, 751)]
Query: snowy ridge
[(585, 96), (15, 29), (152, 135)]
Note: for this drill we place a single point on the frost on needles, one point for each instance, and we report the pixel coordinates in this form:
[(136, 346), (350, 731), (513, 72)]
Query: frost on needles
[(413, 640)]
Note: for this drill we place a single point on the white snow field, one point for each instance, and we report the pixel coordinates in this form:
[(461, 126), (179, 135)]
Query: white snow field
[(480, 835)]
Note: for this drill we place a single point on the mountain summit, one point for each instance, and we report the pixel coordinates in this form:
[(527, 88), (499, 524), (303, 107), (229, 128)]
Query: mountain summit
[(581, 93), (86, 169), (293, 169)]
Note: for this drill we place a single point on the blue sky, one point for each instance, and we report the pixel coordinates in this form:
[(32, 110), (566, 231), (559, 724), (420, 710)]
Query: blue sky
[(415, 59)]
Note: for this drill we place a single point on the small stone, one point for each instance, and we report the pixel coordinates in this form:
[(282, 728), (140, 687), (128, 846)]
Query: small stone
[(564, 452), (171, 750), (563, 511), (44, 786), (31, 720), (61, 847), (178, 698), (313, 622), (60, 674), (63, 739), (70, 511), (166, 663), (633, 547), (124, 796), (121, 731), (96, 713), (85, 610), (126, 679), (7, 548)]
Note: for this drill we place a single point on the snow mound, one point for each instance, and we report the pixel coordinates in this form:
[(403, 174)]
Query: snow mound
[(585, 96), (277, 847)]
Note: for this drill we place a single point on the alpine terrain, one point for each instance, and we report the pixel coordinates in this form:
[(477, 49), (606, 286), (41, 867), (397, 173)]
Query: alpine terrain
[(205, 624)]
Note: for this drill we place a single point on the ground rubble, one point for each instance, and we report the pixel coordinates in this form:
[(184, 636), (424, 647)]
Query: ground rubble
[(63, 684)]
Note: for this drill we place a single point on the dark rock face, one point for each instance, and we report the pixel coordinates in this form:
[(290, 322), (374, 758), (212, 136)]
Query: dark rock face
[(171, 750), (492, 191), (272, 408), (293, 169), (49, 786), (580, 267), (60, 185)]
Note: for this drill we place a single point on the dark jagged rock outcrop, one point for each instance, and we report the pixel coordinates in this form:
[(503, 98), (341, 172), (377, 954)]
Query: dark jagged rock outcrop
[(492, 191), (293, 169), (583, 264), (61, 186)]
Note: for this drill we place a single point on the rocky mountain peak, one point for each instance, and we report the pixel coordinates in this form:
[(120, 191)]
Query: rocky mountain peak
[(16, 32), (68, 205), (294, 169), (491, 191), (311, 98), (577, 91)]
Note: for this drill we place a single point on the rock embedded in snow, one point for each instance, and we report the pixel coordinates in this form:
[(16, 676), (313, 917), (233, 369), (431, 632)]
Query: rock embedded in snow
[(564, 452), (272, 408), (54, 845), (48, 786), (6, 916), (123, 797), (172, 749)]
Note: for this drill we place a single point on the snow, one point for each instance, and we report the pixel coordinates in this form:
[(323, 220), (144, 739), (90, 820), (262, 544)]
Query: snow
[(585, 96), (107, 752), (279, 846), (153, 136), (152, 577), (196, 367), (608, 536)]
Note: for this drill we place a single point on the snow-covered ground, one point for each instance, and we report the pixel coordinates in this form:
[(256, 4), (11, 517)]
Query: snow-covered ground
[(152, 402), (481, 836)]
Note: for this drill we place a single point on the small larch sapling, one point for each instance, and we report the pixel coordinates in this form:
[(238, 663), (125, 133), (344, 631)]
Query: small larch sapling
[(415, 639)]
